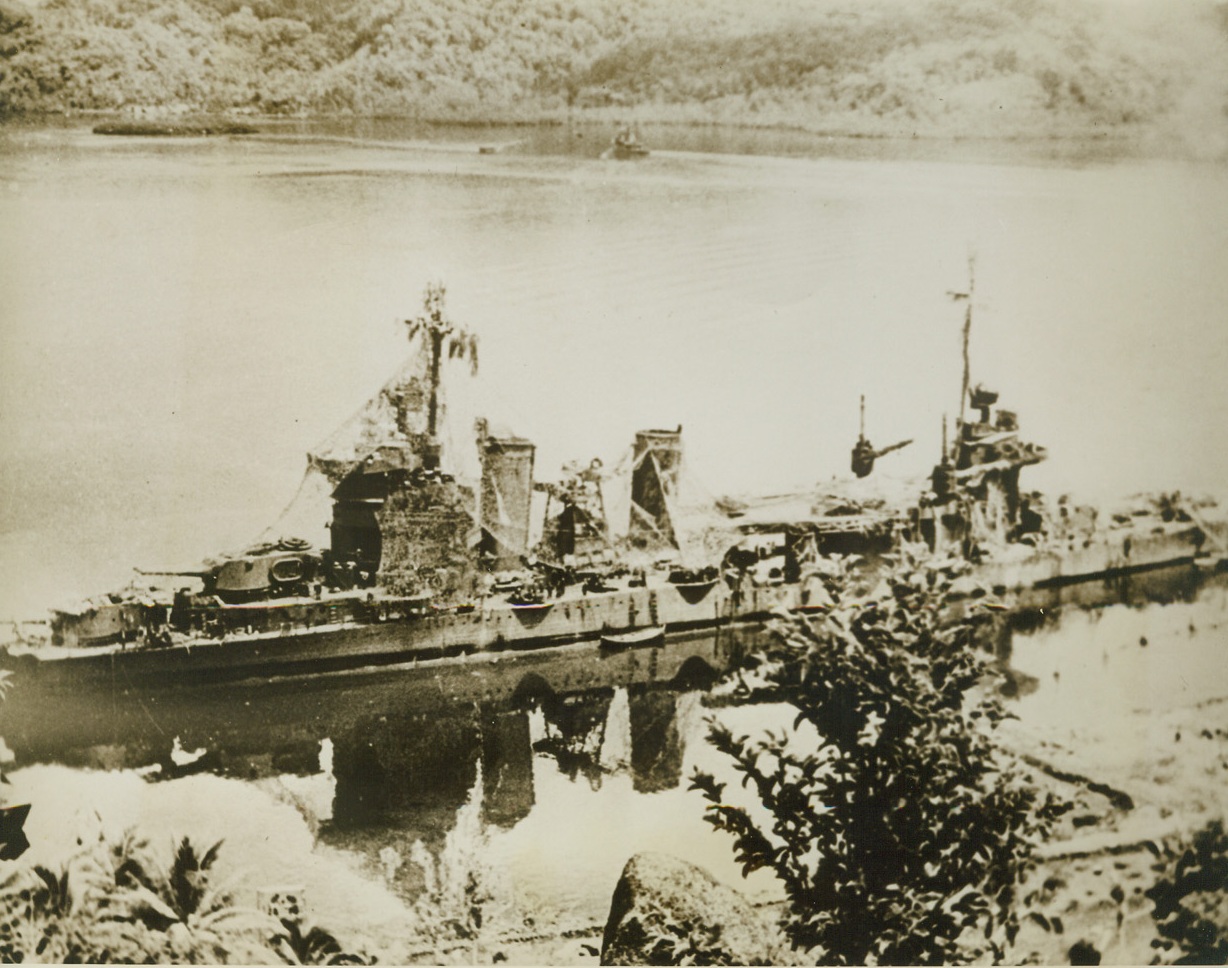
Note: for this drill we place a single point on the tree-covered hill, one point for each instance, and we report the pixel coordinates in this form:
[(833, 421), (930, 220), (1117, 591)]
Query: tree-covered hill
[(992, 67)]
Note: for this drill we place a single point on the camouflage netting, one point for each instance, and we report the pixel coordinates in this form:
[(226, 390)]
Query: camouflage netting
[(654, 489), (395, 416), (698, 532), (682, 523), (389, 428), (506, 498), (429, 532)]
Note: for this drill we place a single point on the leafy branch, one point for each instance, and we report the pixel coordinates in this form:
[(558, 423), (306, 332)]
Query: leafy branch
[(899, 830)]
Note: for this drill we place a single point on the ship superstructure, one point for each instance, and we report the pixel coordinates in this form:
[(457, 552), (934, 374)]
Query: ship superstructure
[(974, 499), (435, 559)]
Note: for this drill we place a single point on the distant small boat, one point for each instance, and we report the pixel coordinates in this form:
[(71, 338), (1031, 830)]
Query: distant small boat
[(500, 147), (626, 145), (616, 641)]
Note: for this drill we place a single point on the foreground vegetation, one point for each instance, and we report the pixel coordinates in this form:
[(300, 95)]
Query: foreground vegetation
[(119, 901), (898, 820), (899, 829), (989, 67)]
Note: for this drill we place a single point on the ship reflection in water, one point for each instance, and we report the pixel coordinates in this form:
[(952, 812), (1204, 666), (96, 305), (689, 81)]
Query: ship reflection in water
[(393, 768), (410, 745), (402, 780)]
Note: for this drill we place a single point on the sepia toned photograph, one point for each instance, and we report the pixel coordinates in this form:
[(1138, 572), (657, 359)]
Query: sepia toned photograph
[(614, 482)]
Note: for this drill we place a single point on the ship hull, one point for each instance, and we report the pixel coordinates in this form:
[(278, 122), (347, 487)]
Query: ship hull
[(1125, 567), (1128, 567), (341, 647), (246, 722)]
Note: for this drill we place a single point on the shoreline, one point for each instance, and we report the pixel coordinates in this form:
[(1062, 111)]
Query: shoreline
[(1059, 143)]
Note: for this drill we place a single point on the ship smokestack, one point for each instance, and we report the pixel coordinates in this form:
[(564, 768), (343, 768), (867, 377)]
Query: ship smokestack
[(506, 499), (654, 486)]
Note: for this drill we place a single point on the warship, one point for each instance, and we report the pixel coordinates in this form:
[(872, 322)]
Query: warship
[(423, 562)]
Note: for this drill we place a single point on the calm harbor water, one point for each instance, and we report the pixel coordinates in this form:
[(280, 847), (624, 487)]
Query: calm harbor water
[(180, 321)]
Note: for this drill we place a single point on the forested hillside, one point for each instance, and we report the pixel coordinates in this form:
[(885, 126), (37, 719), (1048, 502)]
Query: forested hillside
[(998, 67)]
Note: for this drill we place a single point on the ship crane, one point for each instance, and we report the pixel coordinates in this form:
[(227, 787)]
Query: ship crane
[(580, 527), (864, 453), (581, 486)]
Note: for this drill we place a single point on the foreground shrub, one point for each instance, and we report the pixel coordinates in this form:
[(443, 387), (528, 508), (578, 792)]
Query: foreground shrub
[(119, 901), (898, 829), (1191, 900)]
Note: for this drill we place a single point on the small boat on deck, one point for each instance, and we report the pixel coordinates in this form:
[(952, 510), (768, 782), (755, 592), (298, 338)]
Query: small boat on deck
[(617, 641)]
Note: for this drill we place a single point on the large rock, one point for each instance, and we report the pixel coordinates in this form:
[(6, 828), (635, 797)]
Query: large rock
[(666, 911)]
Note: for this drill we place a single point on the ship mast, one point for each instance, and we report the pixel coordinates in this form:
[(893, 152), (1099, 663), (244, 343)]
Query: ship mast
[(437, 331), (966, 297)]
